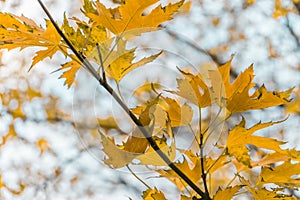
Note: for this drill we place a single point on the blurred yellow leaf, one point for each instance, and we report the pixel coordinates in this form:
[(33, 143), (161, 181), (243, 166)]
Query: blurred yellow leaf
[(15, 192), (43, 145), (279, 10), (19, 191), (108, 123), (250, 2), (294, 106), (9, 135), (185, 8), (1, 182)]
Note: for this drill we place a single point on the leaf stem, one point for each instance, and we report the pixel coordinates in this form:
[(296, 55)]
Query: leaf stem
[(212, 121), (138, 178), (138, 123), (212, 165)]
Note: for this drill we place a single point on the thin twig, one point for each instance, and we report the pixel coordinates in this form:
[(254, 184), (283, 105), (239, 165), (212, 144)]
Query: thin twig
[(101, 63), (213, 121), (137, 122), (138, 178), (200, 121), (231, 181), (215, 162), (195, 136), (203, 172)]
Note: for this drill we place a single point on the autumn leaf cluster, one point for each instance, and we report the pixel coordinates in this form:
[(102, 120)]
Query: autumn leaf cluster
[(242, 160)]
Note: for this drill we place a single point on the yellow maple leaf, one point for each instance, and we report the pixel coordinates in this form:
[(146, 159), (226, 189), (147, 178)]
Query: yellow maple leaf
[(194, 89), (134, 148), (262, 193), (85, 37), (294, 106), (161, 109), (116, 157), (178, 115), (281, 175), (108, 123), (271, 159), (191, 169), (147, 88), (21, 32), (152, 158), (131, 15), (191, 166), (69, 74), (270, 195), (282, 156), (153, 194), (240, 136), (236, 97), (53, 44), (117, 59), (227, 194), (121, 63)]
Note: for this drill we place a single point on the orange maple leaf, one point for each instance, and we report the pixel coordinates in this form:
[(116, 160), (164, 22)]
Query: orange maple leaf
[(21, 32), (131, 15)]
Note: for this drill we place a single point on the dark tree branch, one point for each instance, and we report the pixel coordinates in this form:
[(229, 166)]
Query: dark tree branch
[(137, 122)]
